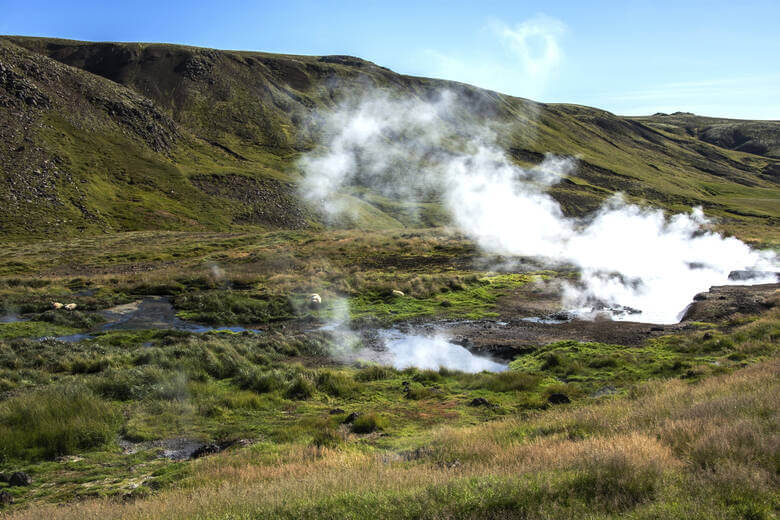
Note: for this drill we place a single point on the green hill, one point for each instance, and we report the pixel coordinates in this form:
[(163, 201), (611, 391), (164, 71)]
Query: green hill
[(105, 137)]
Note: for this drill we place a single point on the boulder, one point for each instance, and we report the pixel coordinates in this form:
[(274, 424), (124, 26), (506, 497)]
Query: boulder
[(20, 478)]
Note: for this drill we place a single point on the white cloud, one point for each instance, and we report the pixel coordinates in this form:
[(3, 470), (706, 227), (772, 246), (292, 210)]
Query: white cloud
[(536, 42), (519, 60)]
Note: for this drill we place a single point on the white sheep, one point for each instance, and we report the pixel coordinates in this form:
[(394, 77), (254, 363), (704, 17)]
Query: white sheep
[(315, 300), (56, 305), (70, 307), (396, 292)]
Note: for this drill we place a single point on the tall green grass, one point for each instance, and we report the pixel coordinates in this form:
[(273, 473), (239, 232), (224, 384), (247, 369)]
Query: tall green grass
[(55, 421)]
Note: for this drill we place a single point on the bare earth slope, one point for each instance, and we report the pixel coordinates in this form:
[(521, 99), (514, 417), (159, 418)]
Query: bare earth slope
[(101, 137)]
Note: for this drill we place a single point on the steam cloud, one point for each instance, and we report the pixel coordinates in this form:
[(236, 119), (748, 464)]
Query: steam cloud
[(629, 256), (411, 350)]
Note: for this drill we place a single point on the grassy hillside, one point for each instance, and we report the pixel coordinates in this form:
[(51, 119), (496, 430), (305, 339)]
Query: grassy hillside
[(102, 137), (756, 137)]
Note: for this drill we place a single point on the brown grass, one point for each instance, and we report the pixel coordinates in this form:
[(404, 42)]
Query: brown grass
[(719, 436)]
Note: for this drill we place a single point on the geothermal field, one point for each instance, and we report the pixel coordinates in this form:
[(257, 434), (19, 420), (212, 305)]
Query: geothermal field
[(251, 285)]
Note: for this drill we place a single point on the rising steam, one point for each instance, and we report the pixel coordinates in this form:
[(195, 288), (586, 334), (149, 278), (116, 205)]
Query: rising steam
[(629, 256)]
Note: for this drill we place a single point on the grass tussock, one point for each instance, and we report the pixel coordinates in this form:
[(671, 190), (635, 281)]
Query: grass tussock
[(59, 420)]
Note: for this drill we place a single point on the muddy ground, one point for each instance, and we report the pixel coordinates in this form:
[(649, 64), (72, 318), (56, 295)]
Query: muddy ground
[(513, 334)]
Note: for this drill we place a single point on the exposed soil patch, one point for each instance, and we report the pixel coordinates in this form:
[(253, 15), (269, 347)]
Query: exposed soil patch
[(505, 340), (509, 337)]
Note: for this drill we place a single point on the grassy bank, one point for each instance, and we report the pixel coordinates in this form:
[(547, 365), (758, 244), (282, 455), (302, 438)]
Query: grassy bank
[(669, 449), (283, 397)]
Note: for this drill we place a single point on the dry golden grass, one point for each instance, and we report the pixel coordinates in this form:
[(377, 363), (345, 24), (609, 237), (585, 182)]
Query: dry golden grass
[(671, 441)]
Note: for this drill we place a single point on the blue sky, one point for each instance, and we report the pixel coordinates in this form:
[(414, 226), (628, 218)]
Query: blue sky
[(712, 58)]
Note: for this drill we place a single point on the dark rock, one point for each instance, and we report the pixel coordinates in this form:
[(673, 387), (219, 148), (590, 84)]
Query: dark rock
[(195, 67), (206, 449), (6, 498), (481, 401), (558, 399), (722, 302), (351, 417), (752, 275), (336, 411), (707, 336), (20, 478)]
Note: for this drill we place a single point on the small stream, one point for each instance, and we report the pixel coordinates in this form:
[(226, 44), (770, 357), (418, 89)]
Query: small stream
[(150, 313), (11, 317)]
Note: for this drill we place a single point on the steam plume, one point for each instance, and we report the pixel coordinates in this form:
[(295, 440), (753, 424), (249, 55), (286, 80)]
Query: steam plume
[(629, 256)]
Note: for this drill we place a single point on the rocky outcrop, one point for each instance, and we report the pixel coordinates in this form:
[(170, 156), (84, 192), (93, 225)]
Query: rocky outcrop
[(723, 302)]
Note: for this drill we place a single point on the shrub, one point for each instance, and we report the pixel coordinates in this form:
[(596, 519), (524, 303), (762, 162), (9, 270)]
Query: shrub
[(508, 381), (326, 435), (300, 387), (56, 421), (228, 307), (89, 365), (603, 362), (336, 384), (259, 381), (375, 373), (427, 376), (368, 423), (417, 391), (77, 319)]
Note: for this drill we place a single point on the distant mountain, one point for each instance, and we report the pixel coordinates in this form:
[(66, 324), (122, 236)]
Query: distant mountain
[(99, 137)]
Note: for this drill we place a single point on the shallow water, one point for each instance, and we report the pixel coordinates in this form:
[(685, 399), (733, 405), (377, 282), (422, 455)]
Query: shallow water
[(151, 313), (11, 318)]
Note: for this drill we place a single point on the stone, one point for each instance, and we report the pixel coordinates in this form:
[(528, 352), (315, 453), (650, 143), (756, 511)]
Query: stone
[(481, 401), (20, 478)]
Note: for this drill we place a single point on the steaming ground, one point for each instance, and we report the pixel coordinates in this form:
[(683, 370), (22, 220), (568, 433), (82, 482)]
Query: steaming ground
[(635, 263), (404, 350)]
